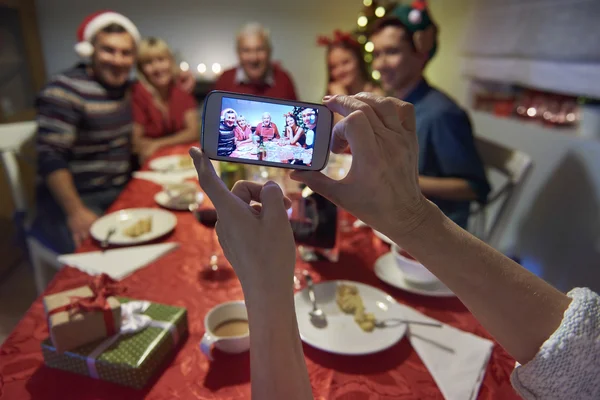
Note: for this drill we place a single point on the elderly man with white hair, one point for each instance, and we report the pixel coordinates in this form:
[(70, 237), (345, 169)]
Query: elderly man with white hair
[(268, 130), (256, 74)]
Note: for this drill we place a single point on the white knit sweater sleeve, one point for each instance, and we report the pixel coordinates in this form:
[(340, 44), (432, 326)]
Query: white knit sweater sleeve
[(568, 363)]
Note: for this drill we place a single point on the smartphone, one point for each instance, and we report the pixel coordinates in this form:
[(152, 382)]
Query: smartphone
[(265, 131)]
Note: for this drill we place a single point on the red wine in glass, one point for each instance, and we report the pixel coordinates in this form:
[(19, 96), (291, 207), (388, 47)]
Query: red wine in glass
[(207, 217)]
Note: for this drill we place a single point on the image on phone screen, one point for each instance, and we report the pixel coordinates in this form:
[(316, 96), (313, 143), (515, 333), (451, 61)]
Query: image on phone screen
[(263, 131)]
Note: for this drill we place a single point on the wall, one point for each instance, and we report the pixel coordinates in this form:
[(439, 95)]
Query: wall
[(555, 228), (204, 30)]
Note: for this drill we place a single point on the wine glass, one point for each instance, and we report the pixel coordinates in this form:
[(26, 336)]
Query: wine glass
[(208, 217), (304, 218)]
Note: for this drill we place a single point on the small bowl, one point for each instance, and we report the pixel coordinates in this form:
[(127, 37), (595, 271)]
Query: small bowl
[(413, 270)]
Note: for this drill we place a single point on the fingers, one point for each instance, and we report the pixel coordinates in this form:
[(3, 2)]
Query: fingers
[(354, 130), (346, 105), (271, 199), (320, 183), (210, 182), (385, 109), (250, 191)]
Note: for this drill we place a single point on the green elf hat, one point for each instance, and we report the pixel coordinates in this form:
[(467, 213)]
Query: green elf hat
[(418, 21)]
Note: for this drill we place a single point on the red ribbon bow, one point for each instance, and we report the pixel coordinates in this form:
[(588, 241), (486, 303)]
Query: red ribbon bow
[(339, 37), (103, 287)]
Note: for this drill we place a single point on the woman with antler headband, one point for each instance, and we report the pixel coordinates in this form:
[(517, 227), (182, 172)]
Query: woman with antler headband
[(346, 70)]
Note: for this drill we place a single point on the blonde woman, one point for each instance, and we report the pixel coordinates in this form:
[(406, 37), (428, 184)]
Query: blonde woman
[(164, 114)]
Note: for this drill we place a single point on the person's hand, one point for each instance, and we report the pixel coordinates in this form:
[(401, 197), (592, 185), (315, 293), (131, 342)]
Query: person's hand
[(382, 186), (79, 221), (336, 88), (186, 81), (257, 240), (145, 148)]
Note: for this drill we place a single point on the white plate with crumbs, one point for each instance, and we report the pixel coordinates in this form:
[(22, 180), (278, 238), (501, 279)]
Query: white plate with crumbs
[(134, 226), (172, 163), (341, 334)]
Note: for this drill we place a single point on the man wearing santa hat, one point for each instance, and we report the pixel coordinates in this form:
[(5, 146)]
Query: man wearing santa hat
[(451, 171), (84, 130)]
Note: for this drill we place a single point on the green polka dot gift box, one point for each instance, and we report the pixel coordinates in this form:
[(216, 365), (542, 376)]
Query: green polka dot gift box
[(149, 333)]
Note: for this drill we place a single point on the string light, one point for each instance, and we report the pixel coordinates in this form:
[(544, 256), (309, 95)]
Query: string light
[(367, 3), (368, 58), (369, 47), (216, 68), (184, 66), (202, 68), (380, 11), (362, 21), (362, 39), (376, 75)]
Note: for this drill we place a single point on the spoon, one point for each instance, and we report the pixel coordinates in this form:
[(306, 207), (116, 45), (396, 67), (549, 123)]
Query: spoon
[(317, 316)]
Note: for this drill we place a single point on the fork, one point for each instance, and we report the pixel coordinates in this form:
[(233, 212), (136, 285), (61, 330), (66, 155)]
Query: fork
[(104, 243)]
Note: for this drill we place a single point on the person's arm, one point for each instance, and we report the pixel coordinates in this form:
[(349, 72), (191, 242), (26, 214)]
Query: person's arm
[(519, 309), (298, 136), (147, 147), (58, 118), (447, 188), (454, 148), (265, 268)]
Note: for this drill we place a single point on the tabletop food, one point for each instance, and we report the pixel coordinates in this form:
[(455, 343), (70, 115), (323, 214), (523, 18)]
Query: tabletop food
[(139, 228), (350, 302)]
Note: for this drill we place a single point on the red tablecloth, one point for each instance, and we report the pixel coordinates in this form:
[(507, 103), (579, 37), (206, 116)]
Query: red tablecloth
[(396, 373)]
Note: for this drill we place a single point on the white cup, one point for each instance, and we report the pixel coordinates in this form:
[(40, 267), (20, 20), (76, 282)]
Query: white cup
[(231, 310), (412, 270)]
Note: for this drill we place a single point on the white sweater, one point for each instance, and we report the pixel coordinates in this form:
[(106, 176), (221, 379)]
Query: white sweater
[(568, 363)]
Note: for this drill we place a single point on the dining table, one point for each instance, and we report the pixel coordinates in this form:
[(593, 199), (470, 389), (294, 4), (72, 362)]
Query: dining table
[(177, 279)]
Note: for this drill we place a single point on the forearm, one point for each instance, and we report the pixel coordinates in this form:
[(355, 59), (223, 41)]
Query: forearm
[(183, 136), (519, 309), (62, 187), (446, 188), (278, 369)]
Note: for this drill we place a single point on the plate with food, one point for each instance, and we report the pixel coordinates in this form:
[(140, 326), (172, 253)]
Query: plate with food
[(356, 317), (133, 226), (172, 163), (179, 196)]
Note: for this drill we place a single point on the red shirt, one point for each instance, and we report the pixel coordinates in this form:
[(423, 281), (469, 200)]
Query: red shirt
[(267, 132), (155, 123), (242, 134), (280, 87)]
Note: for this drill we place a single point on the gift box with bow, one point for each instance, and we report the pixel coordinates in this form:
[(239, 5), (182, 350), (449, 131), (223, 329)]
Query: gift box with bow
[(84, 314), (148, 334)]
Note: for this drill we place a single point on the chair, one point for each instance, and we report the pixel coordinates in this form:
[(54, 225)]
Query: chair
[(489, 222), (12, 138)]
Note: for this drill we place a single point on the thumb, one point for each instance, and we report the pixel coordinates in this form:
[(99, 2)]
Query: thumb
[(271, 198), (320, 183)]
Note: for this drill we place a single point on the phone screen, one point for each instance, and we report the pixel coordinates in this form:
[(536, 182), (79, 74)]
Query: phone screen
[(264, 131)]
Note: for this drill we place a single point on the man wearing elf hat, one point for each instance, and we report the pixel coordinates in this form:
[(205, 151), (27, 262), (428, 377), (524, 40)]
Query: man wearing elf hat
[(84, 131), (451, 171)]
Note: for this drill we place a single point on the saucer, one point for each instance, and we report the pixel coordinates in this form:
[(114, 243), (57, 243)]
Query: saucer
[(387, 270)]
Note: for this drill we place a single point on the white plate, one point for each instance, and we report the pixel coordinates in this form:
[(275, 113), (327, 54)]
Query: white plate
[(162, 199), (384, 238), (163, 222), (169, 163), (342, 335), (387, 270)]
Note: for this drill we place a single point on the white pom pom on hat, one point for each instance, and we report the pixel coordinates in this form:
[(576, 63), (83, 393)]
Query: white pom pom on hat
[(94, 23)]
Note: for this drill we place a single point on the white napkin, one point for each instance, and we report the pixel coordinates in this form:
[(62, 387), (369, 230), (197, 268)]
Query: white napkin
[(117, 263), (164, 178), (457, 360)]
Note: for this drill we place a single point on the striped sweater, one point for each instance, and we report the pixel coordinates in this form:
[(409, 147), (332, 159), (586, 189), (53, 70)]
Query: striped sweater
[(86, 128)]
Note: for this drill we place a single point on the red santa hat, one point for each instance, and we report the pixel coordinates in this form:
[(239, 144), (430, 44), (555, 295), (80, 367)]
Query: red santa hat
[(96, 22)]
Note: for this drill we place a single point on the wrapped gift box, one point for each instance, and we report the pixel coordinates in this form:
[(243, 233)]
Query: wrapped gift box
[(71, 328), (129, 359)]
